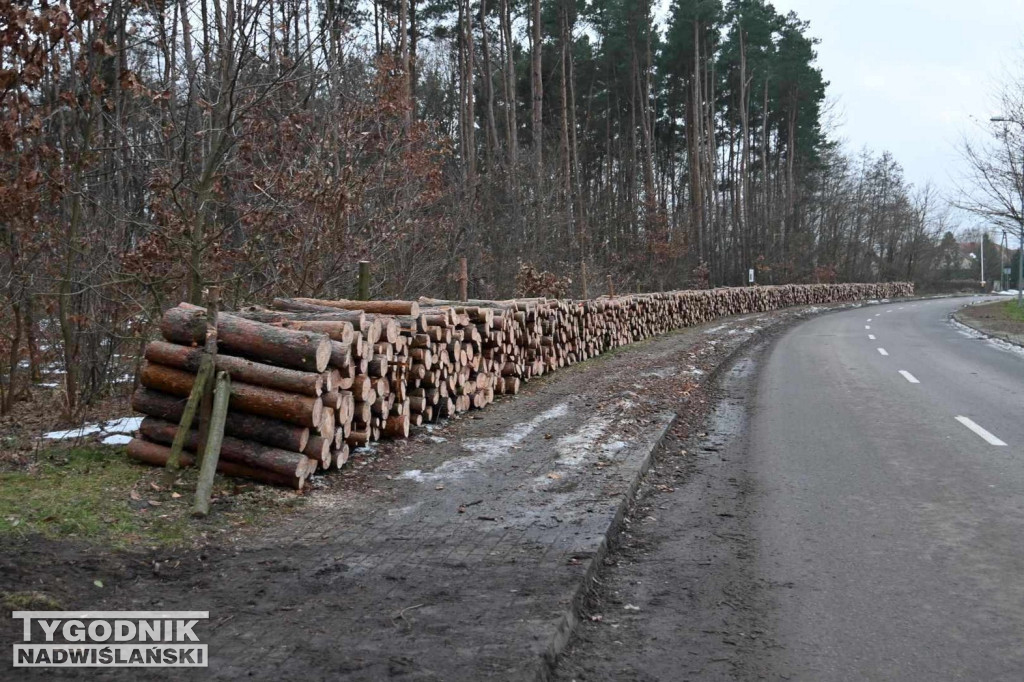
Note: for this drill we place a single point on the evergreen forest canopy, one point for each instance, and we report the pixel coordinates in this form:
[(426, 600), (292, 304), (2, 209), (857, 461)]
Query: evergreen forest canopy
[(150, 148)]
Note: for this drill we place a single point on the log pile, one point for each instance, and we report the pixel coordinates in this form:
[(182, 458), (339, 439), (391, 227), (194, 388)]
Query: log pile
[(312, 379)]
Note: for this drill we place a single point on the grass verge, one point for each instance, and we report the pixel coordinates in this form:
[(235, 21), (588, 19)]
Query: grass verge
[(1012, 311), (96, 494)]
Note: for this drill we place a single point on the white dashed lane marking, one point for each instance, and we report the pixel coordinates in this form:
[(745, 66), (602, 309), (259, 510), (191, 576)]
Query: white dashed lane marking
[(871, 336), (882, 351), (909, 377), (992, 440)]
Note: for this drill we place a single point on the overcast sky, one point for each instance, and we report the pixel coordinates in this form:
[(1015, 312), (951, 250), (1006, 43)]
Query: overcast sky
[(908, 75)]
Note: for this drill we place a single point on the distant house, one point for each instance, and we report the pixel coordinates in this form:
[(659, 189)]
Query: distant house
[(968, 255)]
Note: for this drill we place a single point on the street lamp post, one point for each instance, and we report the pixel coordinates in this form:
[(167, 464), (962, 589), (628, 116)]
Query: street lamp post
[(982, 249), (1003, 248), (1020, 252)]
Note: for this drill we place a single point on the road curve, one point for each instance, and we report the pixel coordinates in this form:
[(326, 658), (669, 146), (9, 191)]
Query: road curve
[(888, 449)]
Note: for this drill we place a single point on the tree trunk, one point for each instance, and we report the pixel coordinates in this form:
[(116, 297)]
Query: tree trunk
[(537, 90)]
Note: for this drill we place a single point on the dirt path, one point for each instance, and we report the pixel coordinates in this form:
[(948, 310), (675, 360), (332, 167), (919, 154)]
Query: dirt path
[(458, 555)]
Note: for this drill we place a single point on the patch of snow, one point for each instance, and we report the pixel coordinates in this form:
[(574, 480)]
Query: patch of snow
[(404, 510), (48, 385), (117, 439), (613, 447), (574, 447), (114, 426), (999, 344), (662, 373), (486, 449), (123, 425), (437, 439), (413, 475), (73, 433)]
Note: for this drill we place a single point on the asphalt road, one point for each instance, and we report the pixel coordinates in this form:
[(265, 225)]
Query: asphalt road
[(887, 447)]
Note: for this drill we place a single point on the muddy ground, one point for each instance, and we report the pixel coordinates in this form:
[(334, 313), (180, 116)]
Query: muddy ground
[(460, 554), (678, 596)]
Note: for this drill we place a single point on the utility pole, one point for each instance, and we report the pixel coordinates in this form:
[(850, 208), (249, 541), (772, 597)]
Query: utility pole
[(982, 249), (1020, 267), (1020, 189), (1003, 248)]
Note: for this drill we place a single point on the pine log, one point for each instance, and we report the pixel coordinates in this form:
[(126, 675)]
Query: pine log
[(377, 307), (157, 455), (239, 369), (397, 427), (236, 450), (319, 448), (340, 455), (341, 331), (238, 424), (357, 318), (238, 336), (290, 407)]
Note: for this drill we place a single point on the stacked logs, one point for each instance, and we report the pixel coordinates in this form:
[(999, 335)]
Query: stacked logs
[(311, 379)]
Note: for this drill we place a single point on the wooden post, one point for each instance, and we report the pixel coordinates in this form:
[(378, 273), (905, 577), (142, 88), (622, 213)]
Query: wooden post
[(611, 287), (202, 379), (206, 406), (463, 280), (364, 280), (583, 279), (201, 505)]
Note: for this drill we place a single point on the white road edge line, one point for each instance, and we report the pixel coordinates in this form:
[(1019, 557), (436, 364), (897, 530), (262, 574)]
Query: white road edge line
[(882, 351), (992, 440), (871, 336), (909, 377)]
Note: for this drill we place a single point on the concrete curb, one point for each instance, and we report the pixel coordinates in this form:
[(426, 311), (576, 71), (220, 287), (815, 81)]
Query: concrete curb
[(1005, 338), (570, 615)]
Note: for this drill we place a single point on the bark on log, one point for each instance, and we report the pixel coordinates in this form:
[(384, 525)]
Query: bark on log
[(357, 318), (376, 307), (291, 407), (239, 369), (155, 454), (238, 424), (236, 450), (238, 336)]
